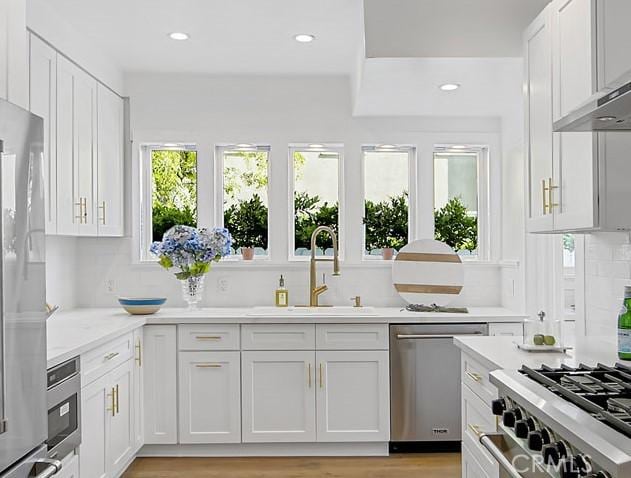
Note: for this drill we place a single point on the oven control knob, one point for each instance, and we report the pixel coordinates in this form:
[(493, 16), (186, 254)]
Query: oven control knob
[(524, 427), (498, 406), (535, 440), (509, 417), (553, 452), (569, 468), (583, 464)]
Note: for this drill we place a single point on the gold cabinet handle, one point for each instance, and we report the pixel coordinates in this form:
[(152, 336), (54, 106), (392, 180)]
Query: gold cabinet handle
[(208, 365), (551, 188), (110, 356), (476, 430), (321, 379), (80, 206), (544, 190), (139, 353), (117, 402), (208, 337), (85, 210), (474, 376), (112, 407), (309, 375), (102, 208)]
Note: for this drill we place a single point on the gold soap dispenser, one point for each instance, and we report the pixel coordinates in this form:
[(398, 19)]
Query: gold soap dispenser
[(282, 294)]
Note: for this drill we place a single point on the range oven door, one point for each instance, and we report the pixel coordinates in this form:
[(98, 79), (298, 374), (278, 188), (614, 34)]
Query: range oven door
[(64, 431), (514, 461)]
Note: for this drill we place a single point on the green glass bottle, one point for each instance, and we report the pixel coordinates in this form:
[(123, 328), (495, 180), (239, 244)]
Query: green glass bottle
[(624, 326)]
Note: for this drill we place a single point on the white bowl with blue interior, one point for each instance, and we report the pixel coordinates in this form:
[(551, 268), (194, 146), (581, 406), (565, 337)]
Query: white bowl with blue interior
[(141, 305)]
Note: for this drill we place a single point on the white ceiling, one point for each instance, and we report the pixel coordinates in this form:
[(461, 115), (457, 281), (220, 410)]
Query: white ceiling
[(447, 28), (229, 36)]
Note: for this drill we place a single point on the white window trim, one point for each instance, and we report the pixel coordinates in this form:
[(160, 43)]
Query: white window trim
[(220, 149), (341, 236), (146, 200), (412, 193), (484, 210)]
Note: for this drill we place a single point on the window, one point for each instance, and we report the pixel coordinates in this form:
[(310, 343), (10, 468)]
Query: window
[(387, 173), (170, 189), (244, 202), (460, 178), (315, 197)]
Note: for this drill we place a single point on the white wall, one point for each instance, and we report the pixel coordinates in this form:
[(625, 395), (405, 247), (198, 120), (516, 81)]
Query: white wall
[(607, 271), (277, 111)]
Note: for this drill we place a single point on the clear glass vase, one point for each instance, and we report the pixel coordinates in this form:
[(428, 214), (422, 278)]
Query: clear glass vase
[(192, 291)]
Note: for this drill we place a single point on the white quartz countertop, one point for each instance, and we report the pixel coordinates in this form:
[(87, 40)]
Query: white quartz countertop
[(73, 332), (502, 352)]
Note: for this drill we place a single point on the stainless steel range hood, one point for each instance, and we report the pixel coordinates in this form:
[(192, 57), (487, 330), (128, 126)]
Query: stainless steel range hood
[(611, 112)]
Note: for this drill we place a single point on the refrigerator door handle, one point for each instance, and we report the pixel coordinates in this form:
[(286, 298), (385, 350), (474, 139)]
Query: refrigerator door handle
[(50, 468)]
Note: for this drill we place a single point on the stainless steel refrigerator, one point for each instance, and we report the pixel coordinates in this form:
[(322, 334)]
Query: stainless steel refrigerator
[(23, 411)]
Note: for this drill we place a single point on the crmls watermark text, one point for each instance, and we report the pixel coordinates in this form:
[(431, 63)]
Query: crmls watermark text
[(524, 463)]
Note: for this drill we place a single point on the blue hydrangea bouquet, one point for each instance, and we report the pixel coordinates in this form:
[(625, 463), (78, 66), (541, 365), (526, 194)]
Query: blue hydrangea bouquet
[(192, 251)]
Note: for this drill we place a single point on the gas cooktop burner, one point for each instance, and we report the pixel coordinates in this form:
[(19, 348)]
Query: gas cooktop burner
[(603, 391)]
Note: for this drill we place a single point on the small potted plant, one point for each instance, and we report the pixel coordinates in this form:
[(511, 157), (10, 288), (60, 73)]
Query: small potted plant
[(247, 222)]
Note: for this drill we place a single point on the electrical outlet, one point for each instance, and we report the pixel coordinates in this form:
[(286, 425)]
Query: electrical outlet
[(110, 286), (223, 285)]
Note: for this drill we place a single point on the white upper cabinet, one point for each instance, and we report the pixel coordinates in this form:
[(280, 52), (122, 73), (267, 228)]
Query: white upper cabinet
[(76, 150), (110, 117), (572, 193), (573, 180), (614, 43), (14, 52), (538, 105), (43, 102)]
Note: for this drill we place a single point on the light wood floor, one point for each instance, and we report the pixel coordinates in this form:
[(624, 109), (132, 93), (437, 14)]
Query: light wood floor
[(425, 465)]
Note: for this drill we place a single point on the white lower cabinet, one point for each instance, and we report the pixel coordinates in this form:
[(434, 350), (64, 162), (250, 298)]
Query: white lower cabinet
[(138, 339), (470, 466), (107, 429), (160, 384), (70, 467), (210, 397), (278, 396), (353, 400)]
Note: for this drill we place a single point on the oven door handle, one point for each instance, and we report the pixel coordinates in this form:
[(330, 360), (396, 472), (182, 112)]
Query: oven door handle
[(487, 442), (50, 468)]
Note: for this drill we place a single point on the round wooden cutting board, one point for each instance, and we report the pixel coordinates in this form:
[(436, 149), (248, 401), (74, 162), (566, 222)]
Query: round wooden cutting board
[(428, 272)]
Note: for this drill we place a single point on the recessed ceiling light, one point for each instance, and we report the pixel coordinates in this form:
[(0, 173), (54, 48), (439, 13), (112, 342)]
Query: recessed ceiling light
[(244, 145), (316, 146), (178, 36), (606, 118), (449, 86), (304, 38), (386, 146), (171, 145), (458, 146)]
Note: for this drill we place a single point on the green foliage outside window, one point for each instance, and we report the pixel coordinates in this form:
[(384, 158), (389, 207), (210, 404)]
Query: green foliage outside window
[(174, 190), (309, 214), (386, 223), (247, 222), (454, 226)]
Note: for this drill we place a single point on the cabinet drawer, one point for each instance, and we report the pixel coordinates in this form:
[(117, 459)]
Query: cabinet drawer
[(208, 337), (471, 467), (476, 377), (352, 337), (506, 329), (477, 418), (98, 362), (278, 337)]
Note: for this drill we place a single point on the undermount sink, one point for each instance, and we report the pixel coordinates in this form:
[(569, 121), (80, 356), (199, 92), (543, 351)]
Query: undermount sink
[(335, 311)]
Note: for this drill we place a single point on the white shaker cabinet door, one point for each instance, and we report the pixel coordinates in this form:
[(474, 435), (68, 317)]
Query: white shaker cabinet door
[(160, 384), (538, 107), (353, 397), (138, 337), (574, 195), (96, 411), (614, 43), (278, 396), (210, 397), (121, 437), (110, 179), (43, 103)]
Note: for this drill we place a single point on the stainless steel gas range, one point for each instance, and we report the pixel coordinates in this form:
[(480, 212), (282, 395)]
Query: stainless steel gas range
[(566, 422)]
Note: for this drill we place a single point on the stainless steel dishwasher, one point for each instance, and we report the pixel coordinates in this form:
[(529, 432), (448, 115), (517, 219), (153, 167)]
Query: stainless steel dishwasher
[(425, 384)]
